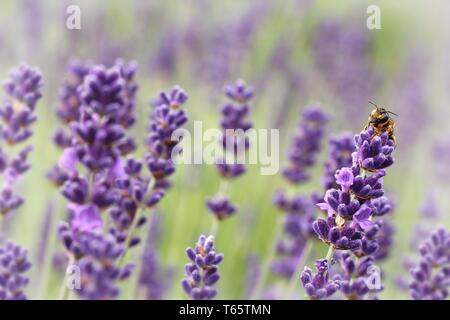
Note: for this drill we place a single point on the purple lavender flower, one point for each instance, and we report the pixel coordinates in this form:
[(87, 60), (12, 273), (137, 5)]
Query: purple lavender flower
[(298, 209), (306, 144), (353, 281), (154, 278), (221, 207), (374, 152), (341, 237), (68, 108), (341, 52), (431, 277), (13, 266), (234, 121), (430, 207), (384, 239), (340, 155), (351, 209), (202, 272), (95, 255), (23, 90), (98, 142), (318, 285), (296, 232), (411, 97), (235, 143), (167, 116)]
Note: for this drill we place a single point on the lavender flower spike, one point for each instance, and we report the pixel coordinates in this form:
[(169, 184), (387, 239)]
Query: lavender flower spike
[(431, 277), (13, 264), (306, 144), (318, 285), (373, 152), (202, 272), (23, 90)]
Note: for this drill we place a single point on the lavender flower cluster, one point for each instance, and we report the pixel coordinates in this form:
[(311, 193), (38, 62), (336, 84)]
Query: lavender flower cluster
[(202, 272), (234, 141), (431, 276), (23, 90), (299, 209), (306, 144), (351, 209), (14, 264), (98, 174), (17, 114)]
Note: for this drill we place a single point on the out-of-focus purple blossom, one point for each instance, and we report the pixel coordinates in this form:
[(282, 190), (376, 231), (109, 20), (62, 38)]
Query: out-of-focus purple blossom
[(221, 207), (234, 120), (104, 110), (440, 151), (381, 206), (228, 43), (342, 54), (253, 273), (410, 87), (23, 90), (431, 277), (96, 255), (341, 148), (127, 114), (167, 116), (430, 207), (154, 278), (318, 285), (374, 152), (202, 272), (13, 266), (68, 108), (354, 280), (234, 141), (296, 232), (165, 59), (384, 237), (306, 144)]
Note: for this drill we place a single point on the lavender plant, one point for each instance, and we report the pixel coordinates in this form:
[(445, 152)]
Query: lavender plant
[(202, 272), (234, 124), (113, 182), (14, 264), (298, 209), (154, 277), (23, 90), (351, 209), (97, 137), (431, 276)]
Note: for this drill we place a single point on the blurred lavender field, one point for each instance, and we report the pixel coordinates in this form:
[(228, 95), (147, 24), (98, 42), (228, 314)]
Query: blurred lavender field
[(292, 54)]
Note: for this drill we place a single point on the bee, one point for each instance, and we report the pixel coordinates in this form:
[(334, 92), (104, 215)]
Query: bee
[(381, 120)]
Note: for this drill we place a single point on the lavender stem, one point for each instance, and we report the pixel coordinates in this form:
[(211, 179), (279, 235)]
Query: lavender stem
[(129, 236)]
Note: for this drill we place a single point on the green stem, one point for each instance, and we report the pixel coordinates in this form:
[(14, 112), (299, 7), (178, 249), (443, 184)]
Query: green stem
[(214, 227), (330, 253), (133, 227)]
